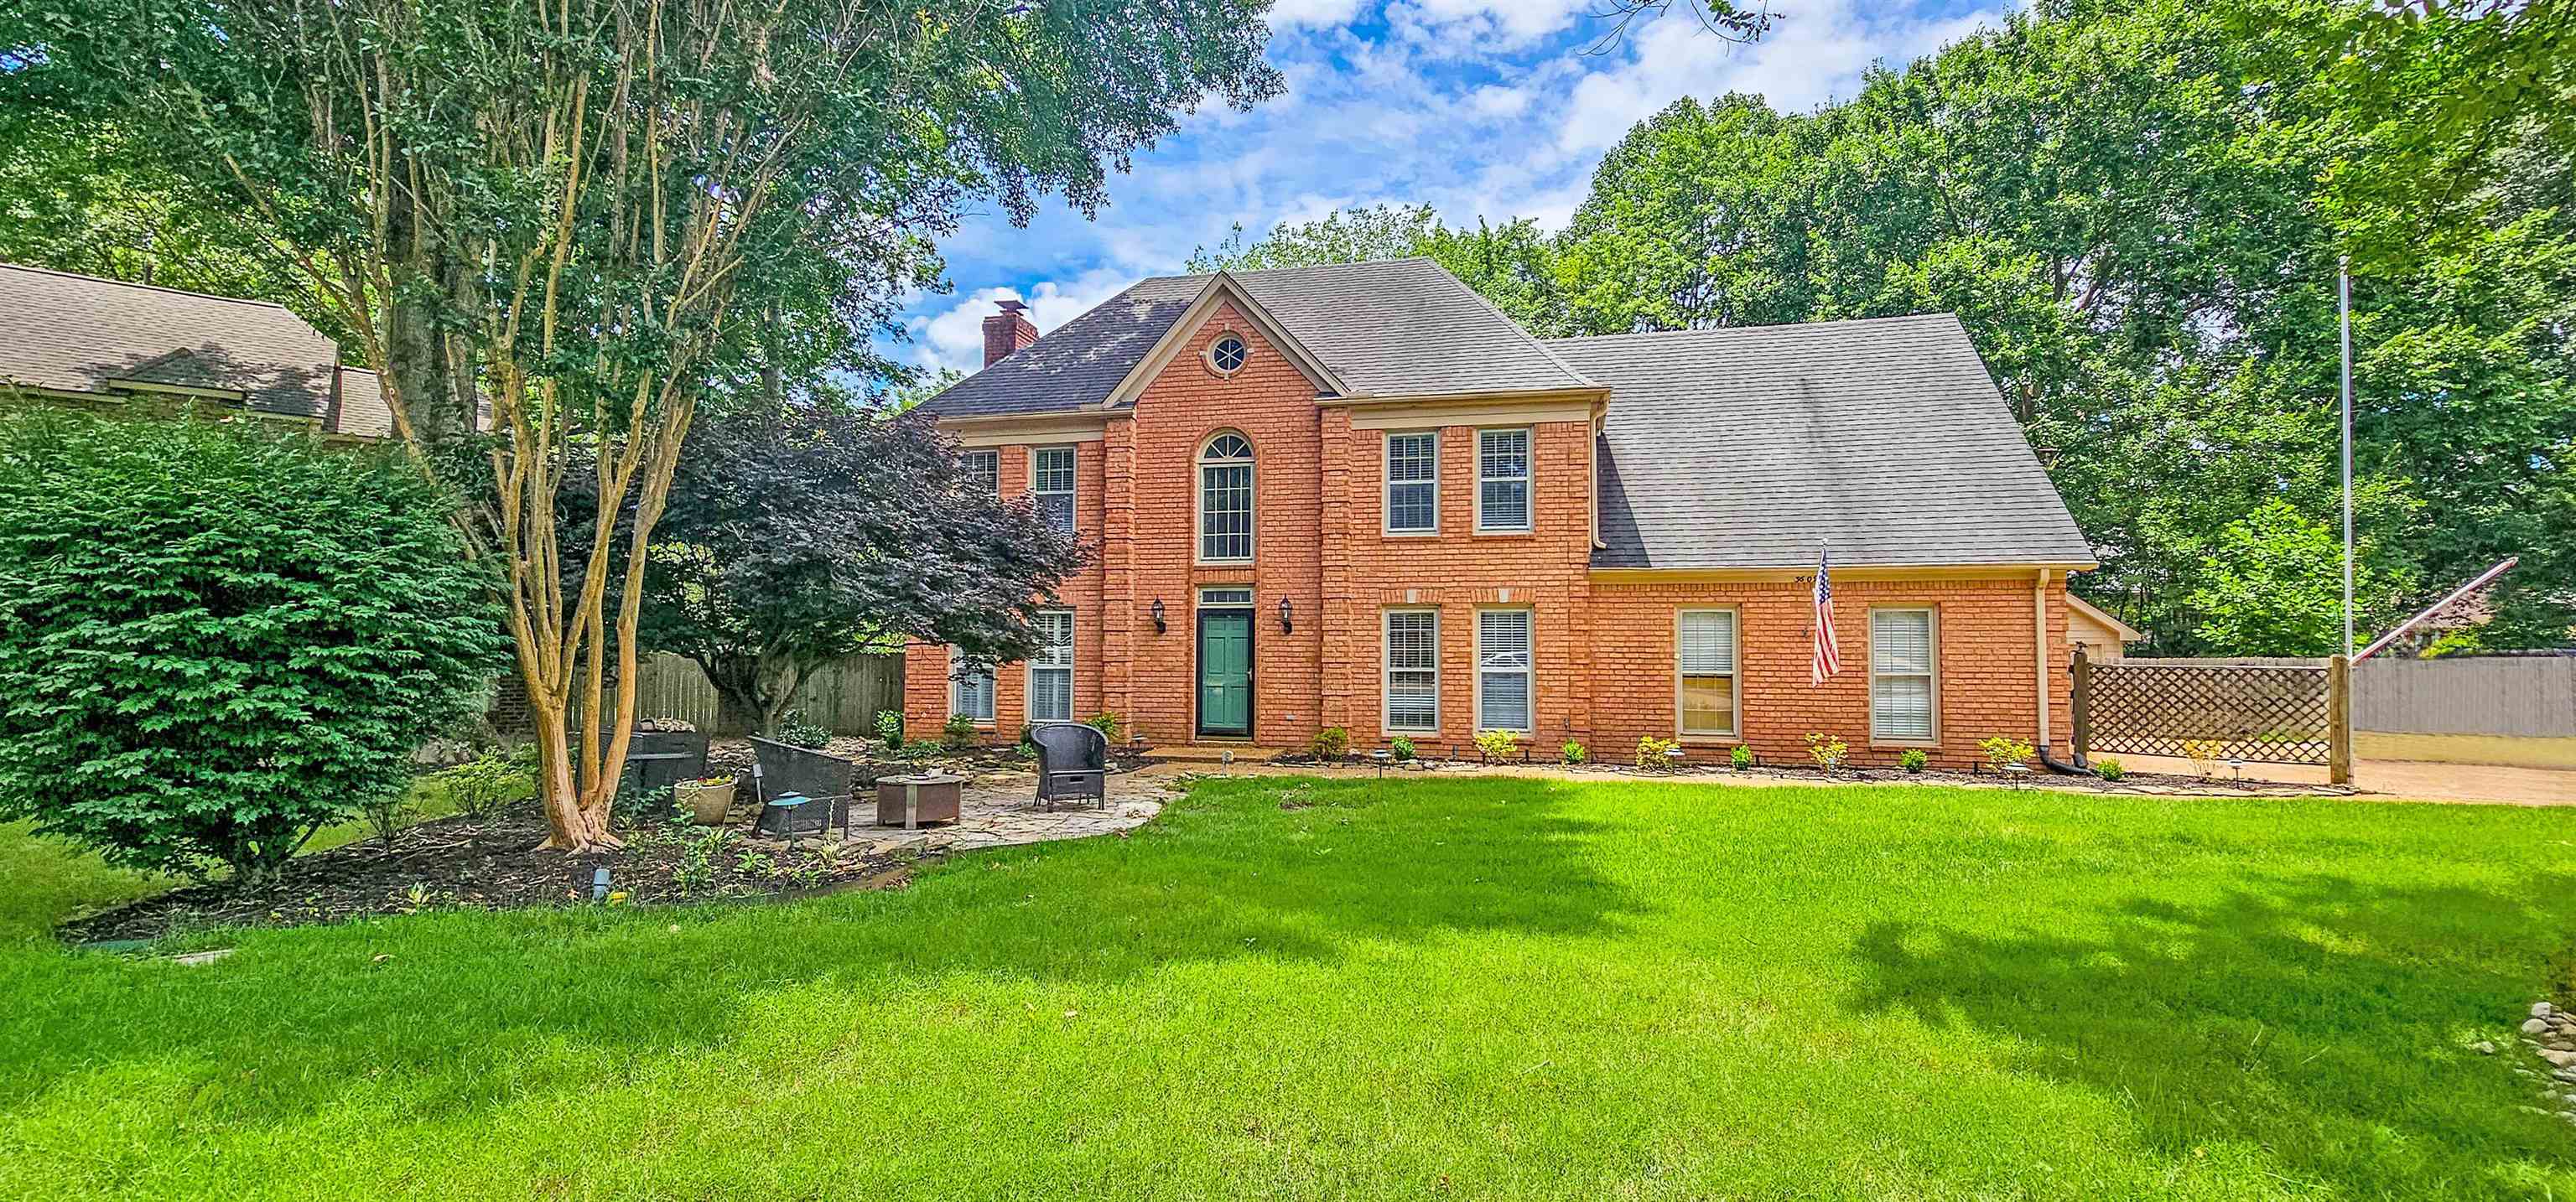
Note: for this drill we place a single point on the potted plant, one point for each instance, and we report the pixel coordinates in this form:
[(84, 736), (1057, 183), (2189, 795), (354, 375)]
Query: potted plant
[(709, 798)]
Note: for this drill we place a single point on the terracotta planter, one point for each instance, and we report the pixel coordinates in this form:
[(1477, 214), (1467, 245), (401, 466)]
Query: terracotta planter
[(709, 803)]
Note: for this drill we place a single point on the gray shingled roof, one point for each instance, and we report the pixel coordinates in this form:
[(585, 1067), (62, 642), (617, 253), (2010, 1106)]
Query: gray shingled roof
[(1393, 327), (1751, 447), (74, 333)]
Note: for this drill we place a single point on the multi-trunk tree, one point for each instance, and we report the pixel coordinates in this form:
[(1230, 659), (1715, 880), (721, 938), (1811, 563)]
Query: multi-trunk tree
[(553, 224)]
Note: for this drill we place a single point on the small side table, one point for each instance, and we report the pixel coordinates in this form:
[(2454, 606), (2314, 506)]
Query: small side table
[(909, 801)]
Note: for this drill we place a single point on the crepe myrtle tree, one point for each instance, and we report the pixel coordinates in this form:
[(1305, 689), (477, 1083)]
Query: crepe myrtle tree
[(215, 639), (802, 532), (574, 216)]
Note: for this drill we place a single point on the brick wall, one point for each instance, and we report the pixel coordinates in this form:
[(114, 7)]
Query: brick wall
[(1603, 651)]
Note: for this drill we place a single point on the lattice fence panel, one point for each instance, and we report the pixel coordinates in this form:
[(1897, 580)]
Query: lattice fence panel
[(2276, 714)]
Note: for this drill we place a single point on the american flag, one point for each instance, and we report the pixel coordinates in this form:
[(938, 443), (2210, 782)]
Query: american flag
[(1829, 657)]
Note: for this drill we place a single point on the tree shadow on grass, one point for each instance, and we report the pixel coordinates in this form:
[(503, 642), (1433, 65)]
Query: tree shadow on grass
[(1286, 870), (2323, 1021)]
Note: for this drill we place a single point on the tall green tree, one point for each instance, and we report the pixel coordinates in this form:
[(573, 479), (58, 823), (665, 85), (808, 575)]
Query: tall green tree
[(1512, 264), (579, 216)]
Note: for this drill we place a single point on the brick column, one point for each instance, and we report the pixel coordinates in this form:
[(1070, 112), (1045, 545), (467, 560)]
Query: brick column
[(1118, 615), (1342, 648)]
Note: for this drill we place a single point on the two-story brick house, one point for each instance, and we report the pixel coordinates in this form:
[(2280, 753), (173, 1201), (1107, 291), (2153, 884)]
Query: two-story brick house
[(1359, 496)]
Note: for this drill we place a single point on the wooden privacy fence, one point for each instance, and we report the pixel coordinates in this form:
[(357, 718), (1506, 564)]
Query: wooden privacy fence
[(2524, 696), (842, 696), (2266, 711)]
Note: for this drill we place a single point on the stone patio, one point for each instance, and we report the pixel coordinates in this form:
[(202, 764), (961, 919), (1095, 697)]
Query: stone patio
[(1000, 809)]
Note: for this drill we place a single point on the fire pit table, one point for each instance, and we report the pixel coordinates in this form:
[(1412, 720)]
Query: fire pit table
[(909, 801)]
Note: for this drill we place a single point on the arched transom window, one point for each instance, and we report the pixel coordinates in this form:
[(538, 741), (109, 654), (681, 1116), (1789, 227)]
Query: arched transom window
[(1225, 499)]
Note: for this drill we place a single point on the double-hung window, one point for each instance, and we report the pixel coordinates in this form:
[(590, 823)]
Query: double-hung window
[(983, 472), (1051, 668), (1225, 500), (970, 691), (1904, 693), (1413, 483), (1502, 480), (1503, 669), (1051, 481), (1412, 670), (1706, 655)]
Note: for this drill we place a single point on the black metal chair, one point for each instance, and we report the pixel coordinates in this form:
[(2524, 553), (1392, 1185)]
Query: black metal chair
[(1073, 763), (828, 783)]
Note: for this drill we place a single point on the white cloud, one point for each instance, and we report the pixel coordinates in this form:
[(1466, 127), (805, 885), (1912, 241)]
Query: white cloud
[(1485, 108), (954, 337)]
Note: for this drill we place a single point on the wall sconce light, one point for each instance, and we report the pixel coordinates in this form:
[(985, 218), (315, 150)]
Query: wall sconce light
[(1157, 611), (1287, 614)]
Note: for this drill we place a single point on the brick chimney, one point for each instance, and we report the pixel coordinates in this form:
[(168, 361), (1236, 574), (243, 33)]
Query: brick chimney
[(1007, 331)]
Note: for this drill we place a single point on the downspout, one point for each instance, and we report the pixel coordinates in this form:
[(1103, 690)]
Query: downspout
[(2039, 640)]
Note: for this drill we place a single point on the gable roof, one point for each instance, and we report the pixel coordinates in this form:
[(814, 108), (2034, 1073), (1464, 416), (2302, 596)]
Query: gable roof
[(2104, 618), (1390, 327), (76, 333), (1754, 447)]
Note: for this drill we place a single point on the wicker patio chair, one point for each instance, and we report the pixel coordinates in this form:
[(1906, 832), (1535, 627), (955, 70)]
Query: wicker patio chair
[(1073, 763)]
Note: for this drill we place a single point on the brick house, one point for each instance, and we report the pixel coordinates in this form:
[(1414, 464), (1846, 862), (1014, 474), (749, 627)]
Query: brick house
[(1359, 496)]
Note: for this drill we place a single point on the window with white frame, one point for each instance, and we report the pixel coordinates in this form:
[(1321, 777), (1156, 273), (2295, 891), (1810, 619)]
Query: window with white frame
[(1412, 669), (1051, 481), (1503, 669), (1705, 644), (1225, 500), (1051, 668), (1502, 480), (983, 472), (1903, 686), (1413, 483), (970, 691)]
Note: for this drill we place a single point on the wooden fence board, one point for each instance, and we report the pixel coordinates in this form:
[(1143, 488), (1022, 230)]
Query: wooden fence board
[(843, 696)]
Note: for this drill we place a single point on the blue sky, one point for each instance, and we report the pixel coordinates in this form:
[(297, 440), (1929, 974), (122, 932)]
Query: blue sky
[(1477, 107)]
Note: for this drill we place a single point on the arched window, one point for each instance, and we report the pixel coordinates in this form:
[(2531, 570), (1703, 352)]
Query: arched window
[(1225, 499)]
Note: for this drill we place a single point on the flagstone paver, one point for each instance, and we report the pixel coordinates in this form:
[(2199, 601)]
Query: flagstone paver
[(1000, 810)]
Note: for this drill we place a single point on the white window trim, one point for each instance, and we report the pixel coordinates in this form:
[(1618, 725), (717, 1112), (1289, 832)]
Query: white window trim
[(1252, 511), (1029, 685), (1386, 672), (954, 667), (1387, 483), (1681, 728), (1528, 479), (1476, 667), (1933, 630), (1073, 490), (972, 454)]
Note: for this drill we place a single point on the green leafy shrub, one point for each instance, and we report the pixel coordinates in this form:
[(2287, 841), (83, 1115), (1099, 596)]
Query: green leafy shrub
[(1827, 751), (1499, 744), (2005, 752), (959, 734), (1331, 743), (488, 783), (890, 729), (1741, 757), (2109, 769), (796, 730), (1912, 759), (1574, 752), (216, 639), (1653, 752), (1400, 747), (1111, 725)]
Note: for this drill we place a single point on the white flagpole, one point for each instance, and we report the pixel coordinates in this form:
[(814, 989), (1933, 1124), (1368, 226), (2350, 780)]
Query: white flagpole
[(2343, 311)]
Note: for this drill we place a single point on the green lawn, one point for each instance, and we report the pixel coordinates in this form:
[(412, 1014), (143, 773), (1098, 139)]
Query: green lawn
[(1468, 988)]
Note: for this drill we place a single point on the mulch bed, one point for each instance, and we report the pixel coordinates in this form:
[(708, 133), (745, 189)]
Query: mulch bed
[(494, 864)]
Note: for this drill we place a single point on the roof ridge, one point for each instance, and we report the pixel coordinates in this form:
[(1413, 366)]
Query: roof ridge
[(1952, 314), (100, 279)]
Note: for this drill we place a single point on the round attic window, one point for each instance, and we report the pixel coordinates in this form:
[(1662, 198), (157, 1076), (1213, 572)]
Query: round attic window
[(1227, 354)]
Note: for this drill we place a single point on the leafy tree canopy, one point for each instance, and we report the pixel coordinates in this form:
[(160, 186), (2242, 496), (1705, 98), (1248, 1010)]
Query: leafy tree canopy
[(810, 531)]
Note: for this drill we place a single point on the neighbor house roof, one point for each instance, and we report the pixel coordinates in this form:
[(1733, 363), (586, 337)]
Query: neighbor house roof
[(1393, 327), (1756, 447), (75, 333)]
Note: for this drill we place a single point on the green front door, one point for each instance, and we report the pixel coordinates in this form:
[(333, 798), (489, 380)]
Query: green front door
[(1225, 672)]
